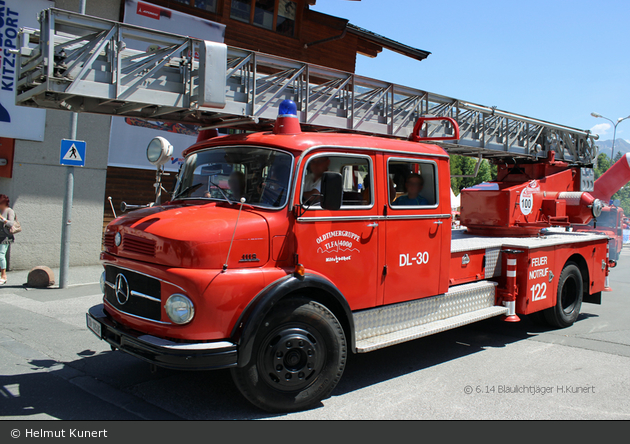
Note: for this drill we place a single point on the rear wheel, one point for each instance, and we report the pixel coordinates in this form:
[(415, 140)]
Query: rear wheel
[(298, 358), (569, 298)]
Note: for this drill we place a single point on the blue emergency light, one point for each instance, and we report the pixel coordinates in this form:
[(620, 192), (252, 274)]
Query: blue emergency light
[(288, 108)]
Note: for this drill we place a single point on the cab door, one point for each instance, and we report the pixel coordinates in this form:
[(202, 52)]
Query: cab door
[(414, 230), (342, 245)]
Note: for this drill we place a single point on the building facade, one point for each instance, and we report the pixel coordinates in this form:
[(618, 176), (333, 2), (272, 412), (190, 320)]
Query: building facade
[(287, 28), (37, 185)]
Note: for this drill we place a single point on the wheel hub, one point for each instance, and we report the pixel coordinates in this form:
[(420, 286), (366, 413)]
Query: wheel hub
[(292, 358)]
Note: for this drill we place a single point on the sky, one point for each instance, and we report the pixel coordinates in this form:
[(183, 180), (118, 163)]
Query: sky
[(555, 60)]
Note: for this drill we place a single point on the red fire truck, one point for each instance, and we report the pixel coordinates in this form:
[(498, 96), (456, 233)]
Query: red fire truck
[(280, 287), (327, 230)]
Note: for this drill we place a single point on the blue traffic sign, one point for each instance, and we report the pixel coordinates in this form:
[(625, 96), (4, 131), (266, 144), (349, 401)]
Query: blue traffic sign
[(72, 153)]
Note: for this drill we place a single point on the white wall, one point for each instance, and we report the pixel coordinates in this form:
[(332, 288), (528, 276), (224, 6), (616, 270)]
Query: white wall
[(38, 185)]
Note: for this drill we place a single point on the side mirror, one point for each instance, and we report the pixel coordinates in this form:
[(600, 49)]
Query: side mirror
[(332, 191)]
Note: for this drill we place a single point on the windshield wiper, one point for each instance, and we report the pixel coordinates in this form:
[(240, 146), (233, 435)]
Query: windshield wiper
[(221, 190), (189, 189)]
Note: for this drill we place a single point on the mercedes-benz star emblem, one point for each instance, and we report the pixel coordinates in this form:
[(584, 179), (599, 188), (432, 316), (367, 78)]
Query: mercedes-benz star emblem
[(122, 289)]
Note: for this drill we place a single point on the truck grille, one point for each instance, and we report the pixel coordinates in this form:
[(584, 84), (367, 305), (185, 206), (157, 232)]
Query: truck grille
[(108, 240), (133, 293), (135, 244)]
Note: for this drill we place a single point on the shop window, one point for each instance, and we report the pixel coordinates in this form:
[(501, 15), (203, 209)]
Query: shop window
[(278, 15), (205, 5), (263, 13), (241, 10), (286, 17)]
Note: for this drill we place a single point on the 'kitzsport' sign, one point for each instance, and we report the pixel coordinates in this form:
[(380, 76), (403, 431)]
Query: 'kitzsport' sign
[(17, 122)]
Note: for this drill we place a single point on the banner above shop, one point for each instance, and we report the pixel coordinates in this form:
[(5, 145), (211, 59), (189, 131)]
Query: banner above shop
[(17, 122)]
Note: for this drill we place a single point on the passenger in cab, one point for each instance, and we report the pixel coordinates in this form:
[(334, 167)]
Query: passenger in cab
[(366, 190), (313, 180), (413, 184)]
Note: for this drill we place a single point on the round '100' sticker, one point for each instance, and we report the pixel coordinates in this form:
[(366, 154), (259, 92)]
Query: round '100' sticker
[(526, 203)]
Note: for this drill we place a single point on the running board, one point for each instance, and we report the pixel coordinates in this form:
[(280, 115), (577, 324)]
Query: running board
[(392, 324), (409, 334)]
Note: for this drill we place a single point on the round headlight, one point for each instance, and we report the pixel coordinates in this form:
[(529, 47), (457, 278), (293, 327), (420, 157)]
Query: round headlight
[(158, 151), (102, 282), (180, 309), (117, 239)]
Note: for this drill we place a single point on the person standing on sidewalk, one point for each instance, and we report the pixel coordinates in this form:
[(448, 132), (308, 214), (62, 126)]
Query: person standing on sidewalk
[(7, 219)]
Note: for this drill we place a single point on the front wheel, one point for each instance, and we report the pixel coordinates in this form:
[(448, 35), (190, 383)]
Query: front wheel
[(298, 358), (569, 298)]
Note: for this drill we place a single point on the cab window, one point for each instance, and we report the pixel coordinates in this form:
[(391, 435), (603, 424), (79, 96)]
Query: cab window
[(412, 184), (259, 175), (356, 172)]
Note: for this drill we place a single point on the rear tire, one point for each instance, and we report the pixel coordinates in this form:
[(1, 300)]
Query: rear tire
[(298, 358), (568, 298)]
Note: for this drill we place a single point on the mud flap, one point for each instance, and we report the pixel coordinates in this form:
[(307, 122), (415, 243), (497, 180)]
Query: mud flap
[(595, 298)]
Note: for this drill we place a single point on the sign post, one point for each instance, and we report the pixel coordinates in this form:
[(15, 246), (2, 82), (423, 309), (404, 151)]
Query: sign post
[(69, 156)]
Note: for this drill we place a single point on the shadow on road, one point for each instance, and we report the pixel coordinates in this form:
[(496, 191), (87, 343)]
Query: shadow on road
[(212, 395)]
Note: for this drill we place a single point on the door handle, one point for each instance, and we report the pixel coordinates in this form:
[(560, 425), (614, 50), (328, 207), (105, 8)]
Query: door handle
[(438, 222), (373, 225)]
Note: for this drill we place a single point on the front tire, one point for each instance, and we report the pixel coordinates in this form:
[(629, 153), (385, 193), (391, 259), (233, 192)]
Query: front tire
[(298, 358), (568, 298)]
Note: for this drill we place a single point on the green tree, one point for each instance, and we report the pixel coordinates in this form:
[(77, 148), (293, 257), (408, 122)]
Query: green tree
[(462, 165), (602, 165)]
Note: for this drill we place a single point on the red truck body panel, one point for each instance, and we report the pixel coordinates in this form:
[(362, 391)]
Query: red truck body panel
[(374, 256)]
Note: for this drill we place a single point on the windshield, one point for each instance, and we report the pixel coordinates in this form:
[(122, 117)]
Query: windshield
[(259, 175), (606, 219)]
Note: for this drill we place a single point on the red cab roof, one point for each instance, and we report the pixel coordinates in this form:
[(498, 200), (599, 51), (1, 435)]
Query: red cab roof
[(299, 143)]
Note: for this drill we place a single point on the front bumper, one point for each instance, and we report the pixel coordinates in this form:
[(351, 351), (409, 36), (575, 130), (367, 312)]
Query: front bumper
[(161, 352)]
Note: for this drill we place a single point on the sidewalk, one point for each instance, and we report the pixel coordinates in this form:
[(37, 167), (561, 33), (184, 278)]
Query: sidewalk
[(77, 276)]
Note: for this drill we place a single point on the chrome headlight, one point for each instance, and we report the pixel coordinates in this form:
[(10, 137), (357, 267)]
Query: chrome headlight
[(102, 282), (180, 309)]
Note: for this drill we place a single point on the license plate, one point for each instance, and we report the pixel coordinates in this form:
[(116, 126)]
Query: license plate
[(94, 325)]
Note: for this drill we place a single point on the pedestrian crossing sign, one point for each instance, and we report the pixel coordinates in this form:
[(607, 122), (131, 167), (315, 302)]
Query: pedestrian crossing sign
[(72, 153)]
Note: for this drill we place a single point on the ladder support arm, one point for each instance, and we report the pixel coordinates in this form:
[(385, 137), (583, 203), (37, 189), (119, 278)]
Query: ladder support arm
[(88, 64)]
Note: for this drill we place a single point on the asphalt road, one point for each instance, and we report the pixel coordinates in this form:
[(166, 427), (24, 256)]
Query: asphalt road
[(52, 367)]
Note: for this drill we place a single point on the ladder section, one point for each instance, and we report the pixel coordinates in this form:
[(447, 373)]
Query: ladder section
[(87, 64)]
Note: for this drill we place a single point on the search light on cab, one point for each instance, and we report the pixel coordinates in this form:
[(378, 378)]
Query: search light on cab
[(159, 151)]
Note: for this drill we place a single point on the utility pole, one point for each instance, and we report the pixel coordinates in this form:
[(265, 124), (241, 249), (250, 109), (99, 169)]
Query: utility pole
[(64, 260)]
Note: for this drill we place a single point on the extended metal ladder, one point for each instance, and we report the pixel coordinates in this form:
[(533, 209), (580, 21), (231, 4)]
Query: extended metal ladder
[(87, 64)]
